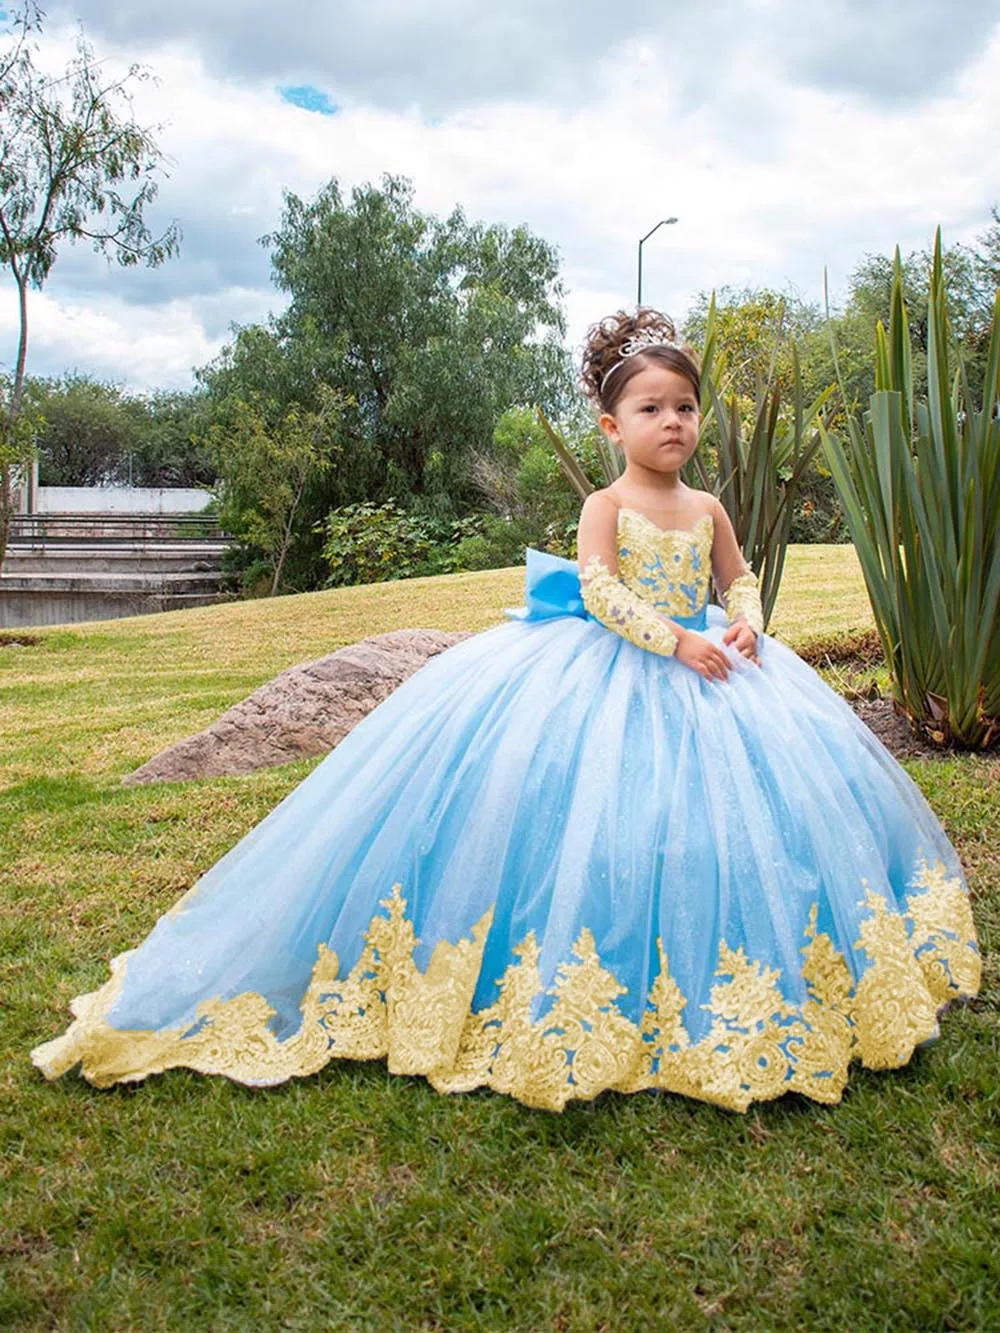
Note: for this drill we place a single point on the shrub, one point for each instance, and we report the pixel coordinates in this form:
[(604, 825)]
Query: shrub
[(369, 543), (497, 543), (920, 483)]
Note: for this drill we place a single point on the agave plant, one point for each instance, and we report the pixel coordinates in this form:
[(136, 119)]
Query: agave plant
[(920, 485), (760, 462)]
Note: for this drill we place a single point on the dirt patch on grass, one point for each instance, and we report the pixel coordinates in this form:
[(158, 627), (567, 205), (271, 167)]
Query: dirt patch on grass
[(860, 649), (895, 733), (853, 660), (18, 639)]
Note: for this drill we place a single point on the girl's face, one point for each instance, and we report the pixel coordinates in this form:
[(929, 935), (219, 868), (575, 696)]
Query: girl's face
[(656, 419)]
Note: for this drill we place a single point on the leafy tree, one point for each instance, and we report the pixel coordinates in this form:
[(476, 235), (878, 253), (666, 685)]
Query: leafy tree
[(88, 432), (93, 433), (755, 328), (522, 481), (274, 372), (970, 280), (986, 254), (267, 457), (170, 450), (766, 338), (428, 328), (73, 166)]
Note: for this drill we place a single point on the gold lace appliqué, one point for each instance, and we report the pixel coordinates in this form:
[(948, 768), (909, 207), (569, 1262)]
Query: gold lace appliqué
[(759, 1044), (669, 569), (742, 598), (617, 606), (385, 1007)]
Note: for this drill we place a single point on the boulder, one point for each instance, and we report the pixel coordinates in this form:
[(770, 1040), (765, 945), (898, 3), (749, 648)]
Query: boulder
[(307, 710)]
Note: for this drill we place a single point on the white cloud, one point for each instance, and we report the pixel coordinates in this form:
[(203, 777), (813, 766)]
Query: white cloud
[(443, 55), (142, 347), (771, 180)]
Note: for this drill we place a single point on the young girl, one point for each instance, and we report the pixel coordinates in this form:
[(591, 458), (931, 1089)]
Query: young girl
[(621, 841)]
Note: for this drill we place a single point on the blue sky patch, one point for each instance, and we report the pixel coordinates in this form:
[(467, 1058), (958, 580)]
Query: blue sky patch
[(309, 99)]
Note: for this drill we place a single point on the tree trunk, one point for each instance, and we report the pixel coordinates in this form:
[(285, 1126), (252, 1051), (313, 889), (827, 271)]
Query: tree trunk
[(276, 580), (13, 410), (17, 393), (6, 509), (286, 540)]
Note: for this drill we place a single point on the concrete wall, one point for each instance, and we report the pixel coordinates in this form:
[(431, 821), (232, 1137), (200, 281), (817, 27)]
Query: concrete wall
[(119, 500), (27, 609)]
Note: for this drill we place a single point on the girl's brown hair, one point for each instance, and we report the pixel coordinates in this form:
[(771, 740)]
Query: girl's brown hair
[(602, 354)]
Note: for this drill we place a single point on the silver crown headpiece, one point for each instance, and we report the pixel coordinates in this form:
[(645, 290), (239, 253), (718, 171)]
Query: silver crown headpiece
[(639, 342)]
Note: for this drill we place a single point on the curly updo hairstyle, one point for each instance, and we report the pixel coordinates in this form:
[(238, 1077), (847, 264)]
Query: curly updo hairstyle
[(602, 353)]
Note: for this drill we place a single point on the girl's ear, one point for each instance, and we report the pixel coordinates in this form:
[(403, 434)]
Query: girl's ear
[(609, 427)]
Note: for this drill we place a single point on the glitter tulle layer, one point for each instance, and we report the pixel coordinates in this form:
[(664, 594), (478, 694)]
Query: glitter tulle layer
[(553, 864)]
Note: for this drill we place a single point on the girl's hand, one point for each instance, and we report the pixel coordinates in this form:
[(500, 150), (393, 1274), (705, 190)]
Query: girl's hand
[(743, 639), (702, 656)]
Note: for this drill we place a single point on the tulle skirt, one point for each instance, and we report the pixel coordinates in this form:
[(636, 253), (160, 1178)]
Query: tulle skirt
[(552, 863)]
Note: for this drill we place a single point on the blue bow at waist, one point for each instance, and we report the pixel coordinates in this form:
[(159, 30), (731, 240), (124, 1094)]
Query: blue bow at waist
[(552, 588)]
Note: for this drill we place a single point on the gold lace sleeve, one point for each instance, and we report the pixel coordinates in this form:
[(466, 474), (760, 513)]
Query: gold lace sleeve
[(742, 600), (619, 609)]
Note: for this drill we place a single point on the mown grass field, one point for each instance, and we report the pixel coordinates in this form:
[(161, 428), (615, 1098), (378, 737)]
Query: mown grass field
[(356, 1200)]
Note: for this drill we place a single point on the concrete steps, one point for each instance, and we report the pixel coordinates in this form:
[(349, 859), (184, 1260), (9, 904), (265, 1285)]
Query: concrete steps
[(117, 558), (63, 581)]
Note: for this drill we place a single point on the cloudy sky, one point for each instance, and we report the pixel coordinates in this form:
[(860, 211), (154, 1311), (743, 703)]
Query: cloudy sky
[(784, 136)]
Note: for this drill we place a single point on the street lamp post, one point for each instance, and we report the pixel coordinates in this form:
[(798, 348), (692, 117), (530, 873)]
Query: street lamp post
[(664, 222)]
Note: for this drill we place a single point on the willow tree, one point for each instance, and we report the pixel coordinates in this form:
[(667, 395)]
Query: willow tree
[(74, 166)]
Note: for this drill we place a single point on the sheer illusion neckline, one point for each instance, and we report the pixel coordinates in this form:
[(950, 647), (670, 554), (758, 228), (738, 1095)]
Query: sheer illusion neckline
[(675, 532)]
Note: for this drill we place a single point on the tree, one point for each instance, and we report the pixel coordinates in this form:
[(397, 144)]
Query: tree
[(755, 328), (267, 457), (432, 327), (96, 434), (970, 277), (88, 431), (986, 254), (429, 328), (521, 478), (74, 166), (765, 338), (170, 450)]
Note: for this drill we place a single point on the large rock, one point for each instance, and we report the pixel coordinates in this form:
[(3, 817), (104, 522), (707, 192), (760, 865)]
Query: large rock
[(306, 710)]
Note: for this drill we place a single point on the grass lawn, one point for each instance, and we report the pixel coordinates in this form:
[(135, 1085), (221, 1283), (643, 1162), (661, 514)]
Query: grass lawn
[(357, 1200)]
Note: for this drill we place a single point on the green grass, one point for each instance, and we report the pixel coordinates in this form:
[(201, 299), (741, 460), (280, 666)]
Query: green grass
[(357, 1200)]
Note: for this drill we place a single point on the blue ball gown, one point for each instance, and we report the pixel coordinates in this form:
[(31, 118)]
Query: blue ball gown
[(552, 863)]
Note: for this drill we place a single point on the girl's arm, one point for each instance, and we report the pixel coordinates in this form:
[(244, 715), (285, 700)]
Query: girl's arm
[(620, 609), (735, 580)]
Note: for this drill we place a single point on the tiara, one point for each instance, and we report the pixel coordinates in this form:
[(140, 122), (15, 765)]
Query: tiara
[(638, 342)]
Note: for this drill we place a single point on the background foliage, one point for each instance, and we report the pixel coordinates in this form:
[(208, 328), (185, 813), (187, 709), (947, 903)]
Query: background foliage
[(268, 456), (96, 434), (428, 329), (74, 166), (436, 335)]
